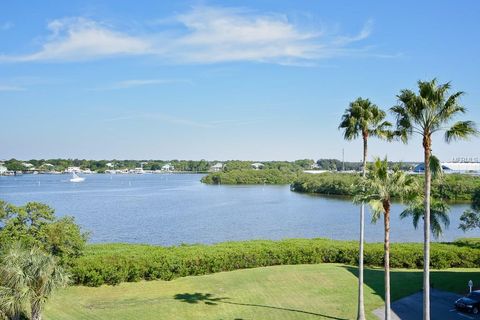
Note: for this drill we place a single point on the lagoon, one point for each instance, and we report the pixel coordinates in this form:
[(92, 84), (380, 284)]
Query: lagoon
[(170, 209)]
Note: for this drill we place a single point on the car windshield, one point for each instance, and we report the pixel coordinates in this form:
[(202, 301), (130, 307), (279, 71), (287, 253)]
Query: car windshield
[(474, 296)]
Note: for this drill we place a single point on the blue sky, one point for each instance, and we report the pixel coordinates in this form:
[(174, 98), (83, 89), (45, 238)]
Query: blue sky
[(264, 80)]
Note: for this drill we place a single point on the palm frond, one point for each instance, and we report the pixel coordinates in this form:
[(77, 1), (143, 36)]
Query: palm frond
[(436, 167), (461, 130), (439, 219)]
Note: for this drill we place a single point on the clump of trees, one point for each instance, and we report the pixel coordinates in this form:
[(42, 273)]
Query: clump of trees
[(452, 187), (265, 176), (36, 249)]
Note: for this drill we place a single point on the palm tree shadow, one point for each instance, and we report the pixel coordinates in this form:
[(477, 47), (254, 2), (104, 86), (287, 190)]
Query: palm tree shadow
[(209, 299), (405, 283)]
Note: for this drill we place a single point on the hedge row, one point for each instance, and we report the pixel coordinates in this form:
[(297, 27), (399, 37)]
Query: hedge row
[(115, 263)]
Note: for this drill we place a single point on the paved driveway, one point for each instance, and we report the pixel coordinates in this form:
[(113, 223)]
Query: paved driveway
[(441, 307)]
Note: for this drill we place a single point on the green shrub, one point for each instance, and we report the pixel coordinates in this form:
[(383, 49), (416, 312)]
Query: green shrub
[(115, 263), (249, 176)]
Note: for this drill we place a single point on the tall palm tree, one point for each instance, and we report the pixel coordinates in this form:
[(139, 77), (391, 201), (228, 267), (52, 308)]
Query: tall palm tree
[(29, 276), (431, 110), (378, 189), (365, 119)]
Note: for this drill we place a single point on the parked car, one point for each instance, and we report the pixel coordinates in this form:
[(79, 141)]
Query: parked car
[(470, 303)]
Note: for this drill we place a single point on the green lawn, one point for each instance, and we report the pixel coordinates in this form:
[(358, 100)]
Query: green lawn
[(323, 291)]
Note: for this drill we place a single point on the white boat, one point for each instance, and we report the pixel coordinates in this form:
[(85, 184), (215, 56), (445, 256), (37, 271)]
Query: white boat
[(76, 178)]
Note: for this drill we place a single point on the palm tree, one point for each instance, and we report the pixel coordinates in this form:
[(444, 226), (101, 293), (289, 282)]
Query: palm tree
[(431, 110), (363, 118), (29, 276), (378, 189), (13, 291)]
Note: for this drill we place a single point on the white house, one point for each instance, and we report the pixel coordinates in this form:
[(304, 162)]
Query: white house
[(168, 167), (3, 170), (137, 171), (28, 166), (73, 169), (257, 165), (217, 167)]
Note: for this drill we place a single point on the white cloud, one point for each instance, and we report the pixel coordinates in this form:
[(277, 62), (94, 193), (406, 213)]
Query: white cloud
[(202, 35), (11, 88), (140, 83), (83, 39)]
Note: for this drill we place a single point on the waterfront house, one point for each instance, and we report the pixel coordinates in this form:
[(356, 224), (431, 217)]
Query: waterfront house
[(73, 170), (28, 166), (168, 168), (217, 167), (3, 170), (257, 165), (137, 171)]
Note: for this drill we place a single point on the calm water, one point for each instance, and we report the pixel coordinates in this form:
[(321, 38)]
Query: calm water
[(177, 208)]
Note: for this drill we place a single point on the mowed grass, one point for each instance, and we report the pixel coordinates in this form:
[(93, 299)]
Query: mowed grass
[(323, 291)]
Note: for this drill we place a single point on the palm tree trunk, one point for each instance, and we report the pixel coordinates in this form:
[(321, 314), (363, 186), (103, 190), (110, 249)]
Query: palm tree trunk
[(426, 229), (386, 219), (361, 303), (36, 310)]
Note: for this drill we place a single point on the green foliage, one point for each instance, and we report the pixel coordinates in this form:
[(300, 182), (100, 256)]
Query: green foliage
[(14, 165), (115, 263), (438, 215), (264, 176), (327, 183), (363, 118), (381, 185), (470, 219), (456, 187), (28, 277), (35, 225)]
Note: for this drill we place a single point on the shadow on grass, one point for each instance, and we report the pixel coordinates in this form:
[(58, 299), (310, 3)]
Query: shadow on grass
[(210, 300), (404, 283)]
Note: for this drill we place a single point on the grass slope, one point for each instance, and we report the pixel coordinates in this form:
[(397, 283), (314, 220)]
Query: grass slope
[(323, 291)]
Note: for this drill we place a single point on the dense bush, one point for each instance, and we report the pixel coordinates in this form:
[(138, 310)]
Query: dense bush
[(249, 176), (35, 225), (455, 187), (115, 263), (327, 183), (450, 187)]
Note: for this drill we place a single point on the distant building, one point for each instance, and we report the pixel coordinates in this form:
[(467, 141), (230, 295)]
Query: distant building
[(168, 167), (28, 166), (453, 167), (217, 167), (137, 171), (73, 169), (110, 165), (257, 165), (3, 170)]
